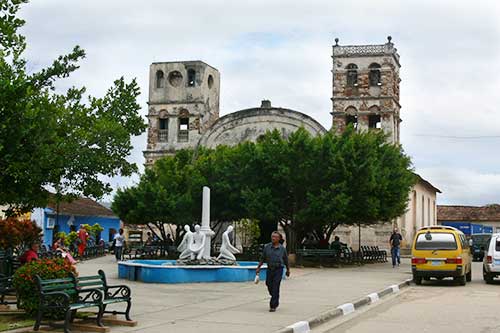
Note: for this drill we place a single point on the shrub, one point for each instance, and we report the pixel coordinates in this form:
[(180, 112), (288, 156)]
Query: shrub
[(25, 282), (18, 234)]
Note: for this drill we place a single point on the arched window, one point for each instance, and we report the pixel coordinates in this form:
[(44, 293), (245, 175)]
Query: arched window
[(160, 79), (375, 75), (352, 75), (351, 116), (191, 77)]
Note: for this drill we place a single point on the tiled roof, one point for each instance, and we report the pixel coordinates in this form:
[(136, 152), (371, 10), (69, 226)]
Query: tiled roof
[(82, 207), (468, 213)]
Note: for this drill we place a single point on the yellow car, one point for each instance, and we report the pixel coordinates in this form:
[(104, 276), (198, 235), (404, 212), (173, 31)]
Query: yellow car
[(441, 252)]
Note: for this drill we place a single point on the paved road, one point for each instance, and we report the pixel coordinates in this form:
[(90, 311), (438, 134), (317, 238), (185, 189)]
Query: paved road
[(433, 307), (243, 307)]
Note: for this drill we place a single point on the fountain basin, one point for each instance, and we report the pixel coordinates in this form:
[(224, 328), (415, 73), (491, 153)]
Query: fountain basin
[(165, 271)]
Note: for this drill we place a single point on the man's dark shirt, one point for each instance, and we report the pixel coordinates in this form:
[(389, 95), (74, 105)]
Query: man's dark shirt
[(274, 257), (396, 239)]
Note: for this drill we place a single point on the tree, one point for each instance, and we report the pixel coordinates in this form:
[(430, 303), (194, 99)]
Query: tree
[(305, 184), (55, 141)]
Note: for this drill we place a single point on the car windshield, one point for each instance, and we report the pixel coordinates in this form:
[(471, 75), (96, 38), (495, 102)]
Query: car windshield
[(480, 239), (436, 241)]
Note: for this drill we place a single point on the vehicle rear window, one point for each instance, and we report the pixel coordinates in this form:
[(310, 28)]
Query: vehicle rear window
[(436, 241)]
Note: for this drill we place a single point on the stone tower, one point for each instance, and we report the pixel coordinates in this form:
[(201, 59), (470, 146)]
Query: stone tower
[(366, 88), (183, 104)]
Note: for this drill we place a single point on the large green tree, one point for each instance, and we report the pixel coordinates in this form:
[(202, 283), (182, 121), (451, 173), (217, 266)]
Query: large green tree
[(60, 142), (306, 184)]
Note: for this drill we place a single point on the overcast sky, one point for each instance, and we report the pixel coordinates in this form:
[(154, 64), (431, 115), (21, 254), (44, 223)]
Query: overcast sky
[(280, 50)]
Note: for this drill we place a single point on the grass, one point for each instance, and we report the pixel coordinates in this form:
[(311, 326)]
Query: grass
[(13, 321)]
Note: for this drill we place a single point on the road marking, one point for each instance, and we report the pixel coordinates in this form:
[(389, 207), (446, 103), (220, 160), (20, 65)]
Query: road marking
[(373, 298), (300, 327), (395, 288), (346, 308)]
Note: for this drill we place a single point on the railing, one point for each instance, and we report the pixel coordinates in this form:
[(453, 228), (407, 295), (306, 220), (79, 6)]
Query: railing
[(163, 135), (183, 136), (365, 50)]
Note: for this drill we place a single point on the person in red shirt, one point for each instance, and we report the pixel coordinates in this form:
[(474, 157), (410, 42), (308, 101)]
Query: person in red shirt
[(30, 254), (83, 235)]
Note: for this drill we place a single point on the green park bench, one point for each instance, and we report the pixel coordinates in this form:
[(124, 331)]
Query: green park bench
[(65, 295), (321, 256)]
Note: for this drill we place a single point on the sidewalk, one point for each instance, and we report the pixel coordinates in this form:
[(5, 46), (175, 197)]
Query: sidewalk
[(243, 307)]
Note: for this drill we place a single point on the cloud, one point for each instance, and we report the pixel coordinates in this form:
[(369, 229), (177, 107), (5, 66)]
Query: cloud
[(280, 50)]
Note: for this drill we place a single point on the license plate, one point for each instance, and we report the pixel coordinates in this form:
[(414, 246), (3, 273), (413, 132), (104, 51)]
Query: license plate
[(497, 262), (437, 263)]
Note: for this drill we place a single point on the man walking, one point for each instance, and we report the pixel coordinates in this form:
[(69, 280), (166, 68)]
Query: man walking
[(276, 257), (119, 242), (395, 243)]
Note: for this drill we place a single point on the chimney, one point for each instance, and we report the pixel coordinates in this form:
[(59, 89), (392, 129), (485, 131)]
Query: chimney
[(266, 104)]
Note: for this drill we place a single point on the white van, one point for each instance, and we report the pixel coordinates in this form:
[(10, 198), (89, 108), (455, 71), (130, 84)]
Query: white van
[(491, 261)]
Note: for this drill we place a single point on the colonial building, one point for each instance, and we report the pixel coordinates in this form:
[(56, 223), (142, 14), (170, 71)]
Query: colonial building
[(184, 112)]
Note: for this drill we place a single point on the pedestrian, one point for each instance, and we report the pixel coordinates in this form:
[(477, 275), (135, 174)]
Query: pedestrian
[(275, 256), (119, 241), (83, 236), (30, 254), (395, 243)]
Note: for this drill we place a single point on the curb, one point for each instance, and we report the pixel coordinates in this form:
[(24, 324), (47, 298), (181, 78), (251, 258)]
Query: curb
[(343, 310)]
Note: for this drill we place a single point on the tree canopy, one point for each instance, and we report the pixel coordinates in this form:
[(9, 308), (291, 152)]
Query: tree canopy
[(64, 142), (306, 184)]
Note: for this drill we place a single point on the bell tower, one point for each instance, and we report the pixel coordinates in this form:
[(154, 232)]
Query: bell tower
[(365, 89), (183, 104)]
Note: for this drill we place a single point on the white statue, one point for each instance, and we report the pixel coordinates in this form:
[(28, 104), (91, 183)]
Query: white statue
[(227, 249), (185, 246), (198, 245)]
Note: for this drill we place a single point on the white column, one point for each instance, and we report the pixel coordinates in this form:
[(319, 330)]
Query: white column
[(205, 222)]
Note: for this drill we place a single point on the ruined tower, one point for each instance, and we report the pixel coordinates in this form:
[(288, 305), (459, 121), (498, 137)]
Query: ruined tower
[(366, 88), (183, 104)]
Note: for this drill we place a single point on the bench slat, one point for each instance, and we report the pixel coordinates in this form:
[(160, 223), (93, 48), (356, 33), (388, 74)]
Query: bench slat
[(85, 278)]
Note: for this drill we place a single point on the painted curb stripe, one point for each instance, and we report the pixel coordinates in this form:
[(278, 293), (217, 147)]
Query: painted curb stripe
[(346, 308), (300, 327), (373, 298), (395, 288)]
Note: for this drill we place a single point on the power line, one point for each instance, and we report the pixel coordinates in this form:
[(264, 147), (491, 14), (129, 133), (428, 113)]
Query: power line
[(458, 136)]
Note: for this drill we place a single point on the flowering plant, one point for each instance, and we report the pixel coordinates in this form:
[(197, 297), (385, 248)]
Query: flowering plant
[(24, 280), (18, 234)]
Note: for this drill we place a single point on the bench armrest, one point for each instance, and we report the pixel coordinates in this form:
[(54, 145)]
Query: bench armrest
[(118, 291), (90, 296), (55, 299)]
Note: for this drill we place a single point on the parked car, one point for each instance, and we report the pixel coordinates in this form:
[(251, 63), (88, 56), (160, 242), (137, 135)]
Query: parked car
[(480, 243), (491, 262), (441, 252)]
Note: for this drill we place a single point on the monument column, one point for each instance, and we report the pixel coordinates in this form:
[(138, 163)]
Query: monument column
[(205, 222)]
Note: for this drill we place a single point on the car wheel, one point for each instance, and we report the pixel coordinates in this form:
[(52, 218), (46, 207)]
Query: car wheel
[(468, 276), (461, 280), (417, 280)]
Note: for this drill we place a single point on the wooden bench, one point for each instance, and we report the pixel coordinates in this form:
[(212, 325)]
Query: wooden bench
[(319, 255), (112, 294), (7, 292), (65, 295)]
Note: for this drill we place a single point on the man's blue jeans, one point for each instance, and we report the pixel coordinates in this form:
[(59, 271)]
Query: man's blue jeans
[(396, 255)]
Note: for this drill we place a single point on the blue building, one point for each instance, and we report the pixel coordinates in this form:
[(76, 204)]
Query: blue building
[(71, 215)]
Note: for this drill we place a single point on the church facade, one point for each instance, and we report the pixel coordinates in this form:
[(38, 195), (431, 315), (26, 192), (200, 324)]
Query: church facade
[(183, 112)]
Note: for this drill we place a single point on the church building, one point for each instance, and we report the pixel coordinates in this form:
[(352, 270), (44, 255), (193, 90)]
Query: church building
[(184, 113)]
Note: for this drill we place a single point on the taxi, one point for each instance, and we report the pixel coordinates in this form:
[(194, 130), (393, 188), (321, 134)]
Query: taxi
[(441, 252)]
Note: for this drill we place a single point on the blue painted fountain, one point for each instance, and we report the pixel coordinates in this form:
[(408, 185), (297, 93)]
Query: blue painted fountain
[(195, 263), (166, 271)]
